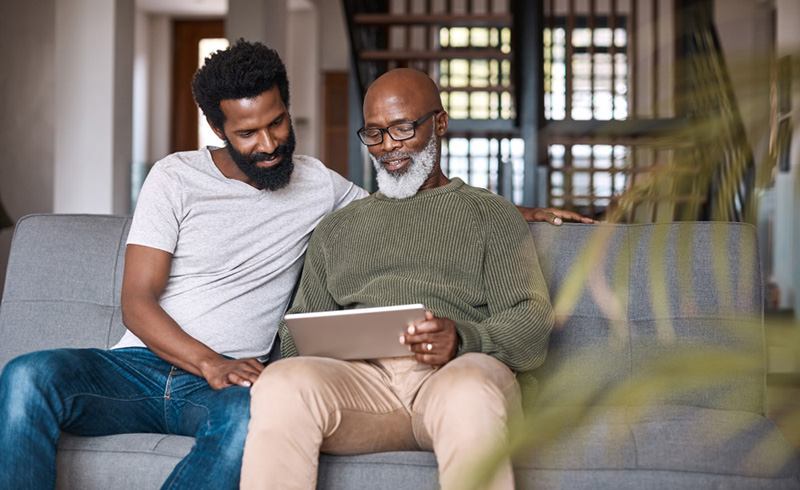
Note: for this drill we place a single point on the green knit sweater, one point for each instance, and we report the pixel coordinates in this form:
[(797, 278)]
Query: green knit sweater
[(463, 252)]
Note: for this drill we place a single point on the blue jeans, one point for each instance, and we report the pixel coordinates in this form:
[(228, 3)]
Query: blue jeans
[(91, 392)]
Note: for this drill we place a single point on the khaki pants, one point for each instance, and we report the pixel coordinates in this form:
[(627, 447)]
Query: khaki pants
[(306, 404)]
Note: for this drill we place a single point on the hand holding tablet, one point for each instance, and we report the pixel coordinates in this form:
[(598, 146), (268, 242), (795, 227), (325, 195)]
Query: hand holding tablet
[(434, 341)]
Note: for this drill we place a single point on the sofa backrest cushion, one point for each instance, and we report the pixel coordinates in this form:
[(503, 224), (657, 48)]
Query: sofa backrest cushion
[(625, 296), (653, 314), (63, 284)]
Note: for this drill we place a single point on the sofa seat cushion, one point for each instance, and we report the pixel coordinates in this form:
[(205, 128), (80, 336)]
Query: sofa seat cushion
[(396, 470), (118, 461), (669, 446)]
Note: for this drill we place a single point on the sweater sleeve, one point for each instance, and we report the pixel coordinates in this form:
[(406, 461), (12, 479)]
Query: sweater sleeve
[(517, 330), (312, 293)]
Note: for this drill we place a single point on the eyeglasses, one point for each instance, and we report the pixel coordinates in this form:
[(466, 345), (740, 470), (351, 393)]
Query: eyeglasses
[(398, 132)]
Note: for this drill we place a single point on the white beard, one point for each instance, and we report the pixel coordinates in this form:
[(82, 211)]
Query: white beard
[(406, 182)]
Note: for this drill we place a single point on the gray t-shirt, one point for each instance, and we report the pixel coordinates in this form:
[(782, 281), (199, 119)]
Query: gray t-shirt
[(236, 251)]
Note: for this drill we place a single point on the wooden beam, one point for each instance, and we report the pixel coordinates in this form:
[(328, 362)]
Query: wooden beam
[(470, 89), (444, 20), (444, 54)]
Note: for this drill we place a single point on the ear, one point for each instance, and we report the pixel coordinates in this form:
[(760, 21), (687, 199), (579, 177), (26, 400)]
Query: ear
[(442, 120), (220, 134)]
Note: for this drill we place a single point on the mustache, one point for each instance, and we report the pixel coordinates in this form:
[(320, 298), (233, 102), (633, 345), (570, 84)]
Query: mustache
[(261, 156), (390, 156)]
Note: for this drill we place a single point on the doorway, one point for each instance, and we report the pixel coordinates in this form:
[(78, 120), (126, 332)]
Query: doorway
[(188, 36)]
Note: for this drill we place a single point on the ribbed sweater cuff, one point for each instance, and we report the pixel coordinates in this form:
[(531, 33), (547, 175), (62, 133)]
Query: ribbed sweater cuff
[(470, 338)]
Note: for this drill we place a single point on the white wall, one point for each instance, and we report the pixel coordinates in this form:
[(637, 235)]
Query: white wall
[(65, 91), (141, 89), (122, 107), (334, 42), (160, 50), (258, 20), (152, 94), (93, 108), (787, 184), (302, 60), (27, 97)]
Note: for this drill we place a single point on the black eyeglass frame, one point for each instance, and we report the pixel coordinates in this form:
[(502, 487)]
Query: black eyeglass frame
[(387, 129)]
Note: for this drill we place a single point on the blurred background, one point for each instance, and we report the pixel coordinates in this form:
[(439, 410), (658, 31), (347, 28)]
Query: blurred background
[(625, 110)]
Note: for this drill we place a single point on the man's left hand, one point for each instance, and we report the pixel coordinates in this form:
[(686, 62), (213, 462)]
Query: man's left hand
[(553, 216), (433, 341)]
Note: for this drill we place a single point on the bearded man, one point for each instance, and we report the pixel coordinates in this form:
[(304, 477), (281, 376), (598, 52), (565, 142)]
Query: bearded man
[(214, 251), (463, 252)]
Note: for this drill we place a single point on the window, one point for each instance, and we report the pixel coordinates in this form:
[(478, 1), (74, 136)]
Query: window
[(592, 85), (599, 69), (588, 176), (479, 89), (495, 162), (476, 88)]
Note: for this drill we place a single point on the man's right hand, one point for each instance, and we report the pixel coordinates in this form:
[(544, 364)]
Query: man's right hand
[(224, 372)]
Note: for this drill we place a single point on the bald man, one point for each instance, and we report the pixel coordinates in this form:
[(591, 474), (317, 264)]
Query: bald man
[(463, 252)]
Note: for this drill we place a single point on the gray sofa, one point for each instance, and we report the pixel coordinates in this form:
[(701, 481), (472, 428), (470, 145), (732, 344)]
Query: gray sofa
[(655, 376)]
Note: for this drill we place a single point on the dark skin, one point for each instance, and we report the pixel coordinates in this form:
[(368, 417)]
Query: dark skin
[(404, 95), (554, 216), (259, 124)]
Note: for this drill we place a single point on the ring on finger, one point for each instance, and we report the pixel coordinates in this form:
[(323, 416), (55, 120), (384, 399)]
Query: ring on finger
[(429, 347)]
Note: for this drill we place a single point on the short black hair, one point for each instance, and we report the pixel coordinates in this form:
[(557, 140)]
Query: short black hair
[(241, 71)]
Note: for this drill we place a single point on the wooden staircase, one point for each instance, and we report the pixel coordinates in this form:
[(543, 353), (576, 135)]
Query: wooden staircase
[(386, 35), (707, 175)]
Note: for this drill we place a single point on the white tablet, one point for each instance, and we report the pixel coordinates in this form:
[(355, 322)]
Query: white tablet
[(363, 333)]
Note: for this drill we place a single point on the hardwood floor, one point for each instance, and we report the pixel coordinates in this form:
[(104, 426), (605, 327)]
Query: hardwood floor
[(783, 407), (783, 373)]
